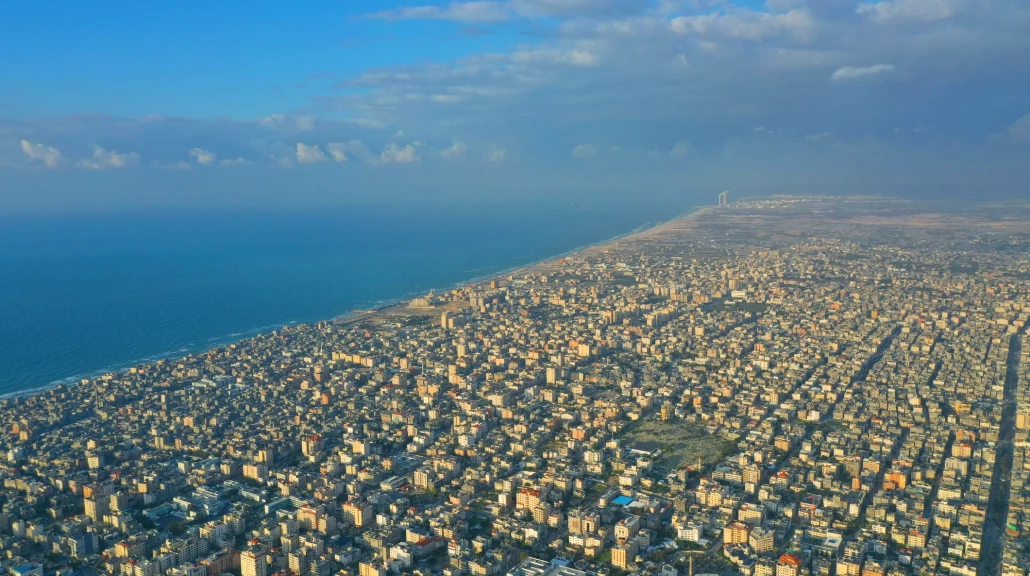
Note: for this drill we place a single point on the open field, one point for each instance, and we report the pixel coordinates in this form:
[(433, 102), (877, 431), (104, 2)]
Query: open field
[(681, 443)]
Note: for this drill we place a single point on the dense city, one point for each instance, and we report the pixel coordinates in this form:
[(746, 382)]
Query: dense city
[(785, 386)]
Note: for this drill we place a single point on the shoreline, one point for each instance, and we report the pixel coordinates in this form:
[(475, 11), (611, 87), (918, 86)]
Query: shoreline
[(349, 318), (378, 308)]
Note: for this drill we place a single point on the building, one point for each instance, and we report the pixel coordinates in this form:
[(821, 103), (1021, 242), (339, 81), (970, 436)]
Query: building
[(761, 540), (583, 522), (528, 498), (735, 533), (358, 514), (253, 563), (627, 527), (624, 554), (788, 565)]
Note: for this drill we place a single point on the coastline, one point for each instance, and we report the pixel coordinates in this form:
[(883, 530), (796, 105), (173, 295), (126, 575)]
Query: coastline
[(377, 309), (395, 303)]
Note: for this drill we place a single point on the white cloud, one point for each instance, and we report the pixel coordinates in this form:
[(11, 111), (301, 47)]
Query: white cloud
[(1020, 129), (285, 122), (366, 123), (456, 150), (578, 57), (447, 98), (48, 155), (623, 77), (496, 155), (277, 161), (103, 159), (273, 120), (911, 10), (309, 154), (853, 72), (475, 11), (234, 162), (481, 11), (742, 64), (338, 151), (551, 8), (181, 165), (747, 24), (358, 149), (203, 156), (584, 151), (680, 150), (394, 154)]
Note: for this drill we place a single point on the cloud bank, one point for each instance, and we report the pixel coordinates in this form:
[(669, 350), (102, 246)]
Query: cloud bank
[(678, 87)]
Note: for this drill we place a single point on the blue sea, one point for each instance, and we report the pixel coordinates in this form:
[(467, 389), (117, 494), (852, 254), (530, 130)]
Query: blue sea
[(84, 295)]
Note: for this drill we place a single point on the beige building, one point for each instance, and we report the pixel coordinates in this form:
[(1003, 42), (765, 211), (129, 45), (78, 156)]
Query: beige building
[(735, 533), (627, 527), (623, 554), (253, 563), (762, 540), (583, 522), (357, 514)]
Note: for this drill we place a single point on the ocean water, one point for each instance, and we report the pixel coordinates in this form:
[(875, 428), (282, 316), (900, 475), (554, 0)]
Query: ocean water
[(85, 295)]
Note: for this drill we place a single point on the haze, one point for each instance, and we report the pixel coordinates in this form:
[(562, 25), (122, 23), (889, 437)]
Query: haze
[(112, 106)]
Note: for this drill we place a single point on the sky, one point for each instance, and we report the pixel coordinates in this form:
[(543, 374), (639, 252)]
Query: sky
[(119, 106)]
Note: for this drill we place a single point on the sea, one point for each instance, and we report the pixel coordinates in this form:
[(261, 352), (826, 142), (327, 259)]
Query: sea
[(81, 296)]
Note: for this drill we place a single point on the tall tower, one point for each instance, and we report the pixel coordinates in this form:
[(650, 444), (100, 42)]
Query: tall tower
[(724, 198)]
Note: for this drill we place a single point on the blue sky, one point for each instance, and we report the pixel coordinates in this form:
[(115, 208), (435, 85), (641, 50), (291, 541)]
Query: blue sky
[(204, 59), (118, 106)]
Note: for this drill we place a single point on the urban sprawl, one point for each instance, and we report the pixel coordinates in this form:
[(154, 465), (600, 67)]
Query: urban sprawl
[(787, 386)]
